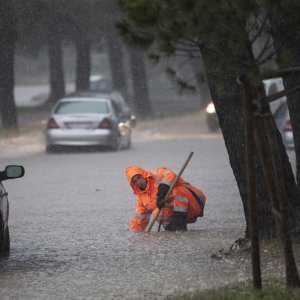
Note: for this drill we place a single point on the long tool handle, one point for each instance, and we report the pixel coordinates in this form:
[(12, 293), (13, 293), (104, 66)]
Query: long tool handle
[(154, 215)]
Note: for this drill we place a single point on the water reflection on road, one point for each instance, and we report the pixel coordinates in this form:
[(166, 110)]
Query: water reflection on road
[(69, 220)]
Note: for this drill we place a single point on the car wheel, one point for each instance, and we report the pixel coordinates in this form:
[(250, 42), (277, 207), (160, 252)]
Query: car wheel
[(4, 239), (6, 242), (115, 144), (49, 149)]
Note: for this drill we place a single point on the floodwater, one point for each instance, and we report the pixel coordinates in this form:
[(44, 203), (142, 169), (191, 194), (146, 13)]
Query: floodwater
[(69, 219)]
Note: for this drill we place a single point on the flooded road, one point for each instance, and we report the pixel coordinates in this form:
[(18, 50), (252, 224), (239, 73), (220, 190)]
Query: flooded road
[(69, 220)]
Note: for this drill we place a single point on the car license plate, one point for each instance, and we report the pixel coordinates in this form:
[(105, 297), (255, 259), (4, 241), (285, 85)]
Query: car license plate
[(78, 125)]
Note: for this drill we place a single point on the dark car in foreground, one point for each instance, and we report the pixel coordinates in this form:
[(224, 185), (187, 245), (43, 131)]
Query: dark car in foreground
[(281, 115), (10, 172), (271, 86), (279, 109), (87, 121)]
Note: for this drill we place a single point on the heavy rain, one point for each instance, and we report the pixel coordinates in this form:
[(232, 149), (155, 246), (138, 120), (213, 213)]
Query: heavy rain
[(70, 214)]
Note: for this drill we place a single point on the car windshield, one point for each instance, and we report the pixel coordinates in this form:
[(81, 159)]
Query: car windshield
[(81, 107)]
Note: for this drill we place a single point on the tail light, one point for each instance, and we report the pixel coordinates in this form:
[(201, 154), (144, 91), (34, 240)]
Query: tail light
[(105, 124), (51, 124), (288, 126)]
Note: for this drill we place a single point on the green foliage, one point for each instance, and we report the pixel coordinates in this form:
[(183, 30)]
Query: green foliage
[(181, 84), (134, 38), (187, 27), (154, 57), (135, 13), (226, 29), (285, 59)]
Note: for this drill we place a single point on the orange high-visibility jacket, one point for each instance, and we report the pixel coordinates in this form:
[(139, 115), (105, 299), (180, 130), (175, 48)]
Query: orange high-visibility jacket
[(184, 197)]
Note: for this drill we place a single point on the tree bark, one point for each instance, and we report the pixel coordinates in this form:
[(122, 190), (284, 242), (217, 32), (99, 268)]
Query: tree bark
[(7, 58), (116, 62), (83, 64), (276, 186), (140, 86), (228, 99), (251, 188), (294, 109), (57, 82), (285, 35), (285, 24)]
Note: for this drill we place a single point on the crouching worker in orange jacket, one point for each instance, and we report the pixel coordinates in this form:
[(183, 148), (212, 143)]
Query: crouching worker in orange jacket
[(184, 205)]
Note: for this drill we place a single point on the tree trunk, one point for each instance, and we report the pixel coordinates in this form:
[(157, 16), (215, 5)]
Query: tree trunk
[(83, 64), (231, 120), (140, 85), (251, 188), (276, 186), (229, 103), (283, 26), (7, 57), (57, 82), (294, 109), (116, 62)]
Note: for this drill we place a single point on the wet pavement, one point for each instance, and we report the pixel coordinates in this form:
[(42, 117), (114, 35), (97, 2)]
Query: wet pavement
[(69, 219)]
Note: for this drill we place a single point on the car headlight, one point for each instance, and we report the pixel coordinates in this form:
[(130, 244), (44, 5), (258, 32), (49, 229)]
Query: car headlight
[(210, 108)]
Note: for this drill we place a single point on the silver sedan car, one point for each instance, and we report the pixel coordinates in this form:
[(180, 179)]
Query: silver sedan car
[(86, 121)]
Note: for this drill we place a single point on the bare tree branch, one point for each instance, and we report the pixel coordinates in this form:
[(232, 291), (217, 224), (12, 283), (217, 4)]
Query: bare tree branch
[(262, 26)]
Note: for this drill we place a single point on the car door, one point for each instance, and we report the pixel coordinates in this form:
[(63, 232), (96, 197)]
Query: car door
[(4, 212)]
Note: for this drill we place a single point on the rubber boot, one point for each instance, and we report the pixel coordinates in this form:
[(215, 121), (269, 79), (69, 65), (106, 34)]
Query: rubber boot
[(178, 222)]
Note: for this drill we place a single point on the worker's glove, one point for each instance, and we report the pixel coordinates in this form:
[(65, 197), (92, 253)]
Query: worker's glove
[(162, 190), (160, 202), (161, 194)]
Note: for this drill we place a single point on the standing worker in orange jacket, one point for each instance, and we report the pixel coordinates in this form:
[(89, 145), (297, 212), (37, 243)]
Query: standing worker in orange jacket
[(184, 205)]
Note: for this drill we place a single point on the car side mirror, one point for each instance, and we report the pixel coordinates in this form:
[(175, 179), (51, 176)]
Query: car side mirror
[(12, 172)]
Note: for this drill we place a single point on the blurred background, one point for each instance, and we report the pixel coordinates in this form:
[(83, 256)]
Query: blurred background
[(54, 47)]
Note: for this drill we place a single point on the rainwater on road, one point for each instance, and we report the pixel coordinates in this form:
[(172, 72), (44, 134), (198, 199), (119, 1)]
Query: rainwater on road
[(69, 220)]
